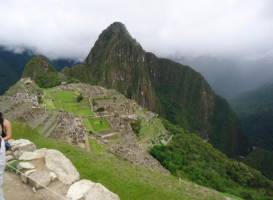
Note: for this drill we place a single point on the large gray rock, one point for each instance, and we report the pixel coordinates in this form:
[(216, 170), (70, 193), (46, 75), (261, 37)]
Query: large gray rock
[(28, 155), (24, 176), (78, 190), (61, 166), (39, 179), (22, 166), (99, 192), (22, 145), (88, 190), (9, 158), (53, 176)]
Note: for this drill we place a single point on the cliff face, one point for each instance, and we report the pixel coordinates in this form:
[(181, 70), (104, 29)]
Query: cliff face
[(175, 91), (118, 61)]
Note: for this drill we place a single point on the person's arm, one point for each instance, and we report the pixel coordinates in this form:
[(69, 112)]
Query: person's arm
[(8, 128)]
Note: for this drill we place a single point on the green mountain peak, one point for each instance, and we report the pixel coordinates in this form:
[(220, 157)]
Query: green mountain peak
[(40, 69), (175, 91)]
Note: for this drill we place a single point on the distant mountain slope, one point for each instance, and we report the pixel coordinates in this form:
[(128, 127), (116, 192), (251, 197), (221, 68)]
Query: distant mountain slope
[(255, 109), (231, 76), (11, 67), (175, 91)]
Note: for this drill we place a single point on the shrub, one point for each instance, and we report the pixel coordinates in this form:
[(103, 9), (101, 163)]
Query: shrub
[(79, 98)]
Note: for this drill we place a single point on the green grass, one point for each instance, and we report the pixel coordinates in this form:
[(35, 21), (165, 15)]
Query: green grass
[(262, 160), (127, 180), (96, 125), (67, 101), (56, 99), (151, 129)]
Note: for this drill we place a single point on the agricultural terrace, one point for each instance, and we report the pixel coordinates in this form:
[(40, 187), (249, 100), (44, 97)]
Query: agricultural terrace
[(73, 102)]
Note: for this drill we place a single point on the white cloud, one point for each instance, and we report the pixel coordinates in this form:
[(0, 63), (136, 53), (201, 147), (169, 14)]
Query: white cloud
[(69, 28)]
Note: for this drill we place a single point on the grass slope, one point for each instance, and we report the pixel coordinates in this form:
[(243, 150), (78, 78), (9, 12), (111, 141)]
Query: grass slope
[(127, 180), (96, 125)]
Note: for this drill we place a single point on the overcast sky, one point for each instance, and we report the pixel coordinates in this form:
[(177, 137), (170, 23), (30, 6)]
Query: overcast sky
[(69, 28)]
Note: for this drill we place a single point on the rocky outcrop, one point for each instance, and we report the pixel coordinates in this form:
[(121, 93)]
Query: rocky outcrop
[(28, 155), (58, 163), (87, 190), (41, 167), (39, 179)]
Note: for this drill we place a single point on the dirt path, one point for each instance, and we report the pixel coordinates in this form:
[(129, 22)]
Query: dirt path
[(14, 189)]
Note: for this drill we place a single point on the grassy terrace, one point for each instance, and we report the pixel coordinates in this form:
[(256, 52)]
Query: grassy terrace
[(127, 180), (67, 100), (96, 125)]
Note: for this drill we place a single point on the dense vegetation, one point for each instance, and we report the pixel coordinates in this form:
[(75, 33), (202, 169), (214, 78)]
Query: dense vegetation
[(175, 91), (255, 110), (262, 160), (188, 156), (130, 182), (42, 72)]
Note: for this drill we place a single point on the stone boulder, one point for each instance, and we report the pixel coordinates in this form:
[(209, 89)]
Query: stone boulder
[(24, 176), (88, 190), (27, 156), (99, 192), (39, 179), (22, 145), (42, 166), (53, 176), (23, 166), (9, 158), (61, 166), (79, 189), (17, 154)]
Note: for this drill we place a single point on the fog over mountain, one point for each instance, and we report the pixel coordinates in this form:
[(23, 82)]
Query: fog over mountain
[(230, 77), (232, 37)]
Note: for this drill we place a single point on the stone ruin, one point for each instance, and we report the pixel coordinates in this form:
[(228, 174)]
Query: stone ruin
[(27, 98), (27, 81), (87, 90), (111, 105), (72, 130)]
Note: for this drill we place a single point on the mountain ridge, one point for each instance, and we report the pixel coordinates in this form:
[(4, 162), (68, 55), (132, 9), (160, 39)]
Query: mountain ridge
[(173, 90)]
